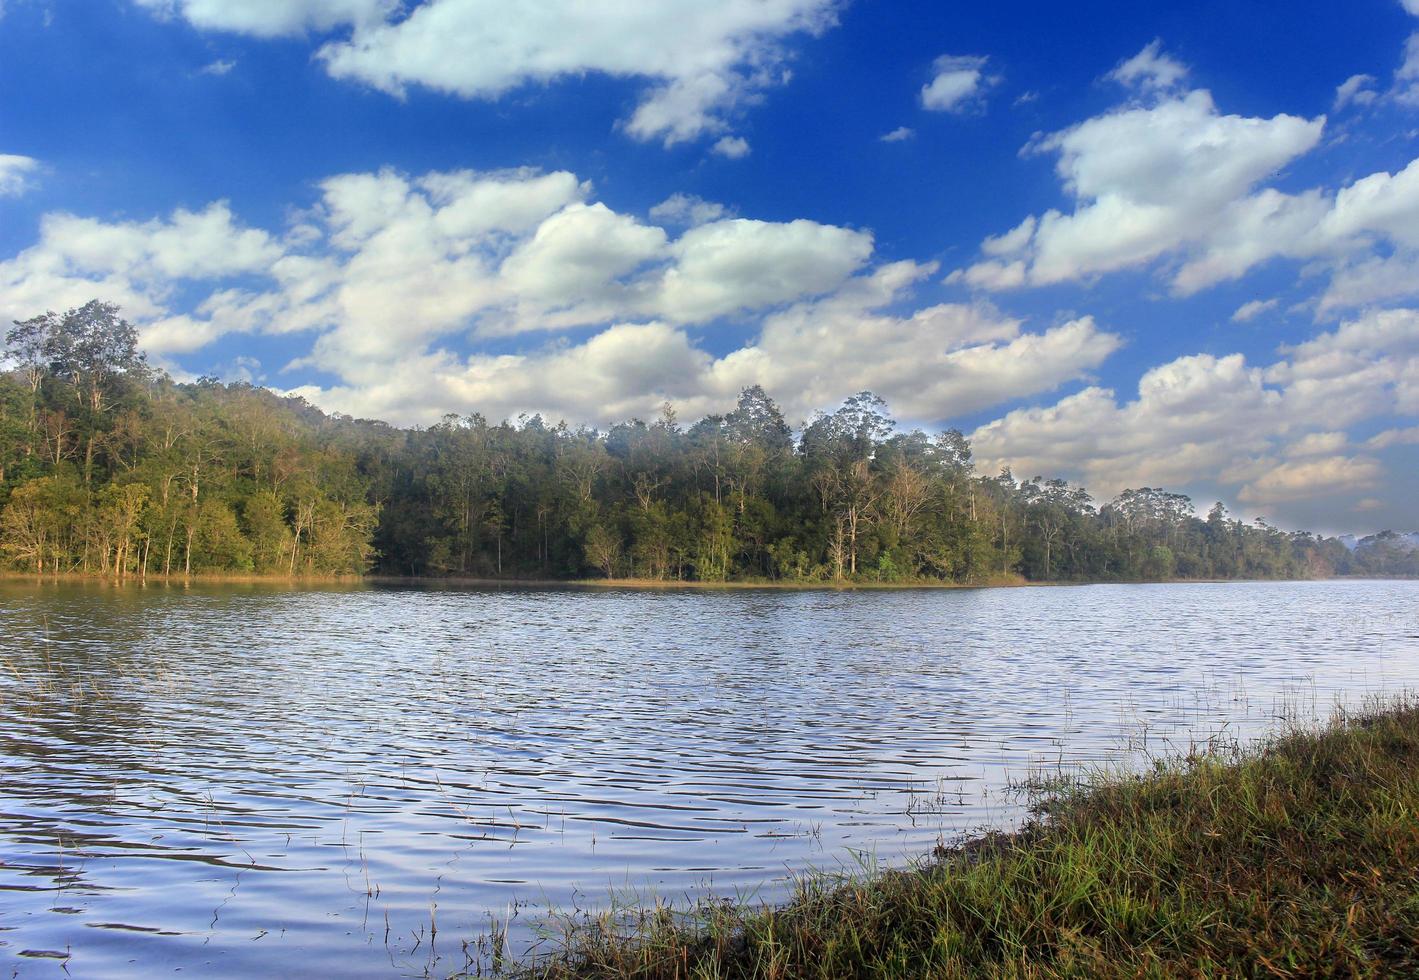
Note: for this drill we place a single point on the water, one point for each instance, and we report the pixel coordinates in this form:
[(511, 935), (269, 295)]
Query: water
[(241, 781)]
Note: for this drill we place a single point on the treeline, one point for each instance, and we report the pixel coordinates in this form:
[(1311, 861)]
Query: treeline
[(109, 467)]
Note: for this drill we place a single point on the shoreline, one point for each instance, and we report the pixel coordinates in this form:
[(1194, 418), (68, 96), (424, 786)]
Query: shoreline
[(1297, 849), (629, 584)]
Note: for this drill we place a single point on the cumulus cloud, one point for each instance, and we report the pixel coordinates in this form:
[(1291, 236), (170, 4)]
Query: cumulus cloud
[(1270, 435), (1366, 280), (898, 135), (399, 281), (934, 364), (1177, 186), (931, 364), (1302, 479), (136, 264), (1013, 242), (739, 264), (1251, 310), (1149, 180), (580, 255), (1150, 69), (957, 83), (1355, 90), (731, 147), (273, 18), (622, 371), (687, 209), (1406, 79), (16, 174), (702, 61), (1318, 444), (1394, 437)]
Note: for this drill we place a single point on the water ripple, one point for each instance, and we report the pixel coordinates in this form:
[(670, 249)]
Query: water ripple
[(256, 781)]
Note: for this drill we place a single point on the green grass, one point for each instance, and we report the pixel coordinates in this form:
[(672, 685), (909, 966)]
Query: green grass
[(1299, 858)]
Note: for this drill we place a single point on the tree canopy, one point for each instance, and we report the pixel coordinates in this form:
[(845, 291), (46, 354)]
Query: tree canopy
[(109, 467)]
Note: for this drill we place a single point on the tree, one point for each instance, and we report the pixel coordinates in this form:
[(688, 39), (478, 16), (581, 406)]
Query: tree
[(25, 345), (94, 351), (108, 467), (603, 550)]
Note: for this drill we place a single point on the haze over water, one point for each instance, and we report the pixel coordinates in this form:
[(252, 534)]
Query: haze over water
[(238, 781)]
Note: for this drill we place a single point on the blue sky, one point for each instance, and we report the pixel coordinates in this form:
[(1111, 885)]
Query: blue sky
[(1123, 243)]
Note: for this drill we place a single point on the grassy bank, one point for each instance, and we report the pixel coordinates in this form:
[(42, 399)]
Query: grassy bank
[(1298, 858)]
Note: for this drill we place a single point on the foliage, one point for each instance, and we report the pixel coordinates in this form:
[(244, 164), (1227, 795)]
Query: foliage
[(109, 467)]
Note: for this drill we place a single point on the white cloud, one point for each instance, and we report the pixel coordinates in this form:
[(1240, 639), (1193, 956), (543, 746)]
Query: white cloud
[(703, 61), (1150, 181), (898, 135), (273, 18), (1406, 79), (218, 68), (1191, 416), (1411, 5), (1013, 242), (1150, 69), (625, 370), (1318, 444), (1355, 90), (731, 147), (957, 84), (1380, 204), (520, 252), (16, 174), (1374, 349), (739, 264), (1271, 436), (1344, 231), (1303, 479), (385, 268), (1176, 185), (580, 254), (931, 364), (992, 275), (1251, 310), (937, 363), (1394, 437), (397, 278), (1369, 280), (136, 264), (687, 209)]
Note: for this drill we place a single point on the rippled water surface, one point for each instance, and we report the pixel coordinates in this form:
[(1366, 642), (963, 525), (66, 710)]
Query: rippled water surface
[(245, 781)]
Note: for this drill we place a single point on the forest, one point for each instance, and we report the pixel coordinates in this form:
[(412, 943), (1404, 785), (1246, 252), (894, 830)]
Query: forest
[(109, 467)]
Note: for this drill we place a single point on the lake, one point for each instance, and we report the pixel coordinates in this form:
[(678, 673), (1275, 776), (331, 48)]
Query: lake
[(232, 781)]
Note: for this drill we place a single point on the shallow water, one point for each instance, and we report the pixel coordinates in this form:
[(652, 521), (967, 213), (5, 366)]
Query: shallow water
[(242, 781)]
